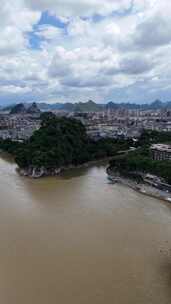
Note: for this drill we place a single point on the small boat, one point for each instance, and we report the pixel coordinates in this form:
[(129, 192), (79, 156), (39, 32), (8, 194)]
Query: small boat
[(113, 179), (143, 191)]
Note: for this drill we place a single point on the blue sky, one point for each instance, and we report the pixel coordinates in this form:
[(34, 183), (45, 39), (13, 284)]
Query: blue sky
[(45, 19), (69, 50)]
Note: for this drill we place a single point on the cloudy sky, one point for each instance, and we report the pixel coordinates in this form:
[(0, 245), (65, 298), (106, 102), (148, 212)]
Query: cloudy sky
[(75, 50)]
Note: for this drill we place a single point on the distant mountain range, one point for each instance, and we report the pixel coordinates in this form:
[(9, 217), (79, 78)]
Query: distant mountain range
[(89, 106), (133, 106)]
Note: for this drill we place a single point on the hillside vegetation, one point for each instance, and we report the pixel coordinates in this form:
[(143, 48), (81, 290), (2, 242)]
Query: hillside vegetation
[(60, 142), (141, 159)]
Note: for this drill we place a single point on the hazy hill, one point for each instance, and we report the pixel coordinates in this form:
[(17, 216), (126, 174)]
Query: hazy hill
[(46, 107), (89, 106), (33, 109), (18, 109), (21, 108)]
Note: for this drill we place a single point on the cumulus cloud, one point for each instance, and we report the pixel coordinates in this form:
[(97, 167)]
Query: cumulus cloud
[(80, 8), (48, 32), (136, 65), (15, 20), (153, 32), (84, 49), (14, 89)]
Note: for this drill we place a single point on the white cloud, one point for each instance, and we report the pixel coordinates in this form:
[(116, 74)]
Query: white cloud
[(11, 89), (49, 32), (15, 21), (81, 7), (79, 27), (87, 58)]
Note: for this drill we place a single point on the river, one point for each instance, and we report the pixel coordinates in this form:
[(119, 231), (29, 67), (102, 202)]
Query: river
[(79, 239)]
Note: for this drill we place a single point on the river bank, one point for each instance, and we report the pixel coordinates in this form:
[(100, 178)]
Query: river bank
[(140, 187), (33, 172)]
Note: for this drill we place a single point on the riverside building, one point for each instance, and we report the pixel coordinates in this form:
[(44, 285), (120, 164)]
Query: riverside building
[(161, 152)]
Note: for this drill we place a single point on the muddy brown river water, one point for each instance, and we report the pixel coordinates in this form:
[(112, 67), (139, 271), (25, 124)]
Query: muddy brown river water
[(78, 239)]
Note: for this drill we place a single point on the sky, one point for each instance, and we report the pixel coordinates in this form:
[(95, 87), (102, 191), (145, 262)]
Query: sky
[(76, 50)]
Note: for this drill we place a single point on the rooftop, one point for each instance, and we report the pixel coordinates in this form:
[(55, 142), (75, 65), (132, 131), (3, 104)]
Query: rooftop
[(161, 147)]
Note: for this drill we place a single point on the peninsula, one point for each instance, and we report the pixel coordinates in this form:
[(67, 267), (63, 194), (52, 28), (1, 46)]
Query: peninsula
[(60, 143)]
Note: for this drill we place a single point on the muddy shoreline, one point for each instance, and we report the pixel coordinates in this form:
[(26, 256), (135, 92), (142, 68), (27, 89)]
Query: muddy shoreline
[(32, 172), (141, 187)]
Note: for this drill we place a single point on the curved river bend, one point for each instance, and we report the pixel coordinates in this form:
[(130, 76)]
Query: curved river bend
[(78, 239)]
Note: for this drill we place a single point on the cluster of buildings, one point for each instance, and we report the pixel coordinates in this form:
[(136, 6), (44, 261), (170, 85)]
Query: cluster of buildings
[(21, 122), (124, 122)]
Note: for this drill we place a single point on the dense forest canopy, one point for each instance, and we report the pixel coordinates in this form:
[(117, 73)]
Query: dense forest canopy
[(61, 142), (149, 137)]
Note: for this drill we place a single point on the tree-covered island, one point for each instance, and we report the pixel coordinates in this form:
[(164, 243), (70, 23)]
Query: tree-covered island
[(60, 143)]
